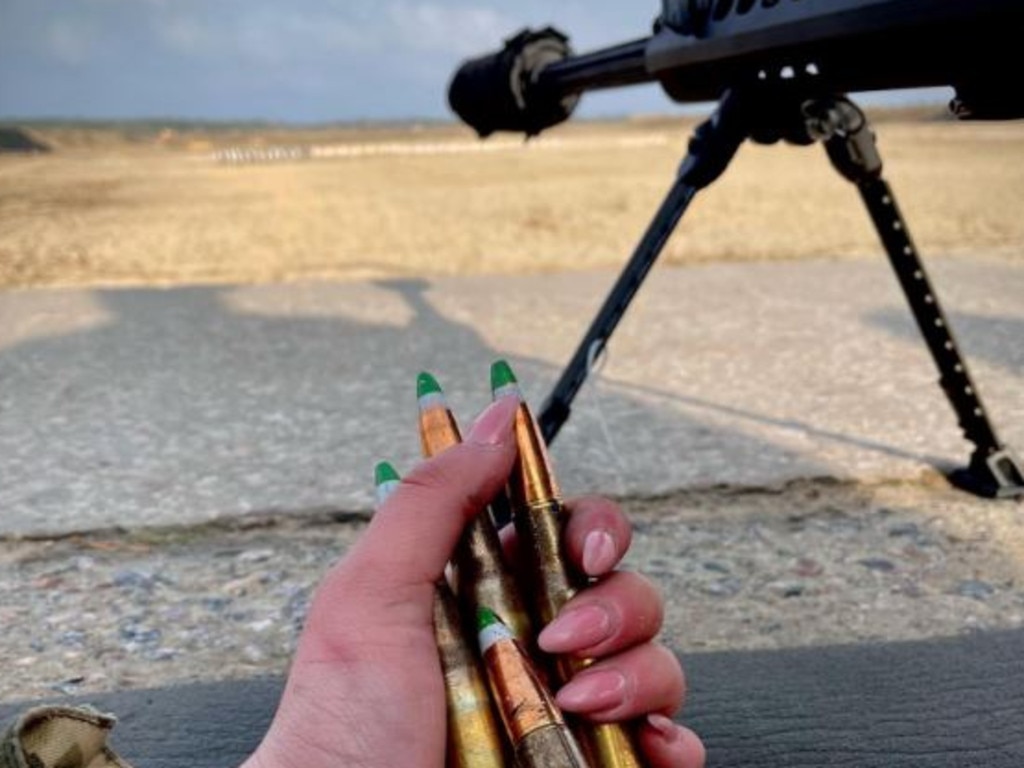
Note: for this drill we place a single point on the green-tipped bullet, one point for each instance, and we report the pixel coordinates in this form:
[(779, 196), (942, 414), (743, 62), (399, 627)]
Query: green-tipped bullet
[(427, 385), (386, 480), (438, 430), (533, 722), (478, 573), (503, 381), (474, 736), (474, 730), (485, 617), (539, 518)]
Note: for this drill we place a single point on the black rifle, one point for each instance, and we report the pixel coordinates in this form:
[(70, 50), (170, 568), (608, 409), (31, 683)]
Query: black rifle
[(780, 70)]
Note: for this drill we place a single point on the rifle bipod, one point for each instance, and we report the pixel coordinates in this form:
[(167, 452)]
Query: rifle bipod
[(766, 117)]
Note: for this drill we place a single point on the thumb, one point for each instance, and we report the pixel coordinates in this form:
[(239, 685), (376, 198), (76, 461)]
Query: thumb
[(414, 532)]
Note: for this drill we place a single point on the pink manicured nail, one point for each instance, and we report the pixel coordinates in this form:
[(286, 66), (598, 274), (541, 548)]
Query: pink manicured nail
[(576, 629), (593, 691), (493, 426), (667, 729), (598, 553)]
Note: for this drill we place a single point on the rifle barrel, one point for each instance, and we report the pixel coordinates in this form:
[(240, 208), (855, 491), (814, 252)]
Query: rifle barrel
[(624, 64)]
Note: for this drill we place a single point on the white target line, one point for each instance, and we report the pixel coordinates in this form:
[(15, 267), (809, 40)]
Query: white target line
[(243, 155)]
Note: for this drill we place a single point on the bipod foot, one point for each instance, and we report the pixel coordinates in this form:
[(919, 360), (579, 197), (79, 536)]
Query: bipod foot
[(999, 475)]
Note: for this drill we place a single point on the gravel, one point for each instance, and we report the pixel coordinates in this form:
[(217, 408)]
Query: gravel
[(810, 562)]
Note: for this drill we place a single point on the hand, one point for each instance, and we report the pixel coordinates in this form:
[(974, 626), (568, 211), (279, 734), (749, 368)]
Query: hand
[(365, 687)]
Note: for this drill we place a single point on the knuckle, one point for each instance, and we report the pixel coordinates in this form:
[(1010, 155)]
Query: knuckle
[(643, 601), (429, 476), (439, 480)]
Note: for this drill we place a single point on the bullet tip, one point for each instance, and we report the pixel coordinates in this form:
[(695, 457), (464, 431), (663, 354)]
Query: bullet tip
[(501, 375), (427, 385), (485, 617), (385, 480), (384, 473), (490, 629)]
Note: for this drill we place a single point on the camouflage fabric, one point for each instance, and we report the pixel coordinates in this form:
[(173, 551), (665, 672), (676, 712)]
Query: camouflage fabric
[(59, 737)]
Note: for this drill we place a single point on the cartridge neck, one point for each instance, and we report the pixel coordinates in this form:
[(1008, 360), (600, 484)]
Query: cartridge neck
[(533, 481)]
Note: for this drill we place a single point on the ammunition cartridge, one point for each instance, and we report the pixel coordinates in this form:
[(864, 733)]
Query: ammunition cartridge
[(539, 517), (479, 575), (533, 723), (474, 736)]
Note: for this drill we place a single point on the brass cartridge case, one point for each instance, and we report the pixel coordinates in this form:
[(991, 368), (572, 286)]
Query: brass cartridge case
[(539, 517), (474, 732), (474, 737), (549, 747), (479, 577)]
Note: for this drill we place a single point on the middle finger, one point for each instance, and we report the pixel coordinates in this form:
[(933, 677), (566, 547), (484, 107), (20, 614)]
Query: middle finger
[(616, 613)]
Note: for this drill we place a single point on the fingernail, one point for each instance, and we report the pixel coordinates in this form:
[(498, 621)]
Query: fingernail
[(576, 629), (598, 553), (665, 727), (493, 426), (592, 691)]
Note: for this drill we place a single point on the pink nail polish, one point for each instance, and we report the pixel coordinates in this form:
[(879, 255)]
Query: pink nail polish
[(576, 629), (593, 691), (493, 426), (598, 553)]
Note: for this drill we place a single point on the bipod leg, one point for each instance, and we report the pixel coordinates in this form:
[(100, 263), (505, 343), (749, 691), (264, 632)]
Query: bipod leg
[(712, 146), (557, 407), (993, 470)]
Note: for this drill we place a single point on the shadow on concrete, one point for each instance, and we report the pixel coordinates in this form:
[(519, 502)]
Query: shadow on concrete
[(186, 404), (165, 406), (796, 425), (995, 339)]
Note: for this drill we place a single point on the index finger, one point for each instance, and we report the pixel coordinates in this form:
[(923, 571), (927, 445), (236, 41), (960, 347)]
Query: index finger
[(411, 536)]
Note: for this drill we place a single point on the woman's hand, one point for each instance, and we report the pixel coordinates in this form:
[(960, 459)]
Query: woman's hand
[(365, 688)]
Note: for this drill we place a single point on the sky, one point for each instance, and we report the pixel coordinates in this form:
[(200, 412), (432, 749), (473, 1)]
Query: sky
[(298, 61)]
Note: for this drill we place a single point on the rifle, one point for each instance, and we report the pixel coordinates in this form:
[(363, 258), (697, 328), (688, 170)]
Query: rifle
[(780, 71)]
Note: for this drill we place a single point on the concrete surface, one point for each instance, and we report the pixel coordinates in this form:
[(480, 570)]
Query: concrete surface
[(153, 406), (936, 704)]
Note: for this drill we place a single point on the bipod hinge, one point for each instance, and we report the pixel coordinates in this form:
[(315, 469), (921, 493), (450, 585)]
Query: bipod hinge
[(848, 138)]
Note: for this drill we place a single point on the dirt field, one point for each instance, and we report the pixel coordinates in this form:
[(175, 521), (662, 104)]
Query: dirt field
[(158, 206)]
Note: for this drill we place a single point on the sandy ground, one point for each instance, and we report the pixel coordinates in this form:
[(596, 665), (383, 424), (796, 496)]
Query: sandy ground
[(579, 197)]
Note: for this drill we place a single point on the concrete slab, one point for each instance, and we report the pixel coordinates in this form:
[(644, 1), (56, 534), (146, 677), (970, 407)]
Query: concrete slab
[(153, 406)]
